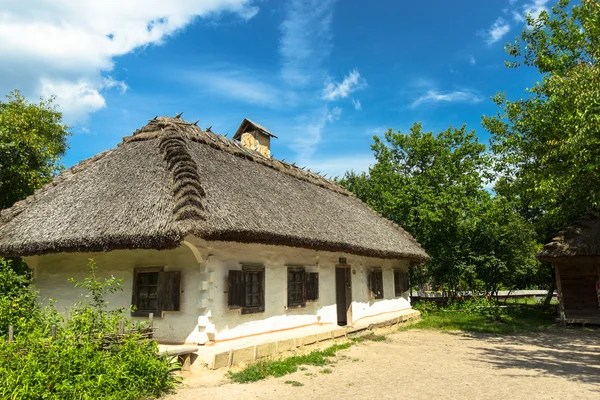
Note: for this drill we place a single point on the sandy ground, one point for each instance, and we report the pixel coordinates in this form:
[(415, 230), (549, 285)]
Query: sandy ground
[(558, 364)]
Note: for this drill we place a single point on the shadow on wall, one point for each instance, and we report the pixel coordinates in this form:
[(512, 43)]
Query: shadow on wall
[(569, 353)]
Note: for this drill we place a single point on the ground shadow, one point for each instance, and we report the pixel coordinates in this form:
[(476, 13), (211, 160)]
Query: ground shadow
[(572, 353)]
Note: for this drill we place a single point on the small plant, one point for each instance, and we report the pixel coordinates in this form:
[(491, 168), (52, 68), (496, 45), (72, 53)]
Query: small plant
[(294, 383), (326, 371), (277, 368)]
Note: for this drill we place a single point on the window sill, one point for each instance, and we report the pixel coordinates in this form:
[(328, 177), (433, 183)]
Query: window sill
[(146, 314)]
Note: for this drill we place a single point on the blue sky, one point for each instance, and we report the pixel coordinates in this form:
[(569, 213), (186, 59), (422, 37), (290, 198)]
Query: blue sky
[(324, 76)]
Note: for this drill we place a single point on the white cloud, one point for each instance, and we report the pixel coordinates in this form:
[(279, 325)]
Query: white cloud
[(338, 166), (472, 60), (534, 7), (305, 41), (459, 96), (334, 115), (80, 98), (308, 129), (496, 32), (238, 84), (356, 104), (351, 83), (67, 47)]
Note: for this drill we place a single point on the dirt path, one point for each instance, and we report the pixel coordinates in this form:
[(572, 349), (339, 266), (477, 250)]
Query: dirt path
[(560, 364)]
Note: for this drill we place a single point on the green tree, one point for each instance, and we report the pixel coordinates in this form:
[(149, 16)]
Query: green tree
[(32, 141), (547, 145), (433, 186)]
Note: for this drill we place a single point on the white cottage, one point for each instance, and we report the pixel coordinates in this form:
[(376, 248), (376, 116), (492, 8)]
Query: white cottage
[(213, 236)]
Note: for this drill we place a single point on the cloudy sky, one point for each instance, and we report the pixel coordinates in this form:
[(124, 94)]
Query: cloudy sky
[(323, 75)]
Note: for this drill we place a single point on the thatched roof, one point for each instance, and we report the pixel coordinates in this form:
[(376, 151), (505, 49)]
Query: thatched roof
[(170, 179), (580, 239)]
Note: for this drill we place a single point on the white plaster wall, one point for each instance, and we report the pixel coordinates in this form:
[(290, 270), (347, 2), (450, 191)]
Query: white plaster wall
[(223, 323), (204, 268), (52, 271)]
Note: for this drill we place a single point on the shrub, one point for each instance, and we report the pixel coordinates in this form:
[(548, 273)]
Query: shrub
[(79, 364), (18, 300)]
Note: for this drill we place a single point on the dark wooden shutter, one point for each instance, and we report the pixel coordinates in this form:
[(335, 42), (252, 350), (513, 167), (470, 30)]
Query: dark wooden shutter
[(312, 286), (235, 291), (262, 290), (169, 291)]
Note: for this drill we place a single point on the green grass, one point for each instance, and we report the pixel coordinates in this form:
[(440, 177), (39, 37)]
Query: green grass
[(326, 371), (294, 383), (262, 369), (516, 319)]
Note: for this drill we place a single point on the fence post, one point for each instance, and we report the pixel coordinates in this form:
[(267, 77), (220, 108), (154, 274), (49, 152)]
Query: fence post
[(121, 327), (53, 332), (151, 319), (11, 333)]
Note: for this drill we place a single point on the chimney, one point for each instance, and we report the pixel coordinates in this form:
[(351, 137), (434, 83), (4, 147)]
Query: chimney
[(254, 137)]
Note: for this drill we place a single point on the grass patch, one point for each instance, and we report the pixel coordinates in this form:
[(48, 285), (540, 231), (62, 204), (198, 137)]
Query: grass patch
[(515, 319), (262, 369), (326, 371), (294, 383)]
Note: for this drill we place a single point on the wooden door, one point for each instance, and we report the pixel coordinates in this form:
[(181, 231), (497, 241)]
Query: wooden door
[(343, 294)]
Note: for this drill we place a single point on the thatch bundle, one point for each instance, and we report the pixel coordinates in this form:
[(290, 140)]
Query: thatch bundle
[(171, 179)]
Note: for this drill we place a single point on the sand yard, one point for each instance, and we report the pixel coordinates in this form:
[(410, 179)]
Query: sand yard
[(558, 364)]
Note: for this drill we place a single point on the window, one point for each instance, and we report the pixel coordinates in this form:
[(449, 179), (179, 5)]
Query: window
[(247, 289), (376, 283), (302, 287), (400, 282), (155, 291), (296, 287)]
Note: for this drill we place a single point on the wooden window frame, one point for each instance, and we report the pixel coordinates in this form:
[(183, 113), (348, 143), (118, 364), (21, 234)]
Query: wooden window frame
[(162, 303), (296, 271), (375, 280), (252, 269), (237, 283)]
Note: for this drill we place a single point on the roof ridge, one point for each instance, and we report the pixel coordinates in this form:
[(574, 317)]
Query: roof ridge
[(219, 142)]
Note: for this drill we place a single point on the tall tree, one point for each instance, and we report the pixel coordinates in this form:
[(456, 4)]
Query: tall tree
[(548, 144), (433, 186), (32, 141)]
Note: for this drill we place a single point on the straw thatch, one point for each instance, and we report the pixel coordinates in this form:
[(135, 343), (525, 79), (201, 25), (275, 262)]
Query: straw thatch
[(580, 239), (170, 179)]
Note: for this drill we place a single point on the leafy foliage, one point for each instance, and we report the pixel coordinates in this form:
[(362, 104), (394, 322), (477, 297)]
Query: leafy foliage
[(79, 364), (433, 186), (548, 144), (32, 141), (18, 300)]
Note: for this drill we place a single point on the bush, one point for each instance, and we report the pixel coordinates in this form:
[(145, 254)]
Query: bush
[(18, 300), (79, 364)]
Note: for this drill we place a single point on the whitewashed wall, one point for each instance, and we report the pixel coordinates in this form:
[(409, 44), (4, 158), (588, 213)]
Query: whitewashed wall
[(204, 269)]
